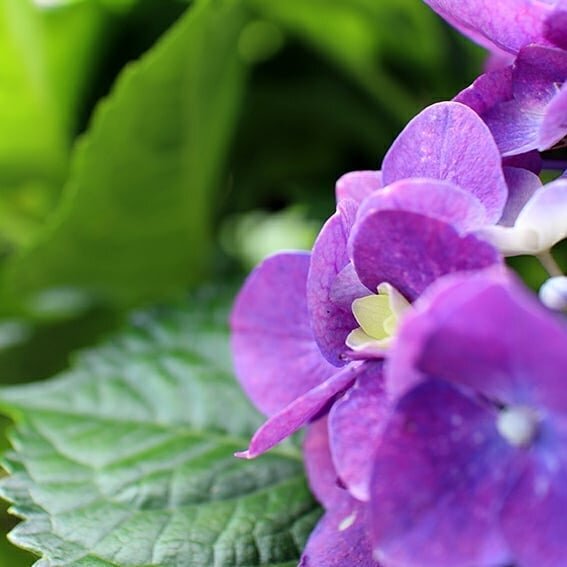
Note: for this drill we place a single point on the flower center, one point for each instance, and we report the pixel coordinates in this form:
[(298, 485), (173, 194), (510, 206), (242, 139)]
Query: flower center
[(378, 317), (518, 425)]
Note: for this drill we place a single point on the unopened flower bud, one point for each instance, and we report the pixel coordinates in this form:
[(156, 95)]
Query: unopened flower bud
[(553, 293)]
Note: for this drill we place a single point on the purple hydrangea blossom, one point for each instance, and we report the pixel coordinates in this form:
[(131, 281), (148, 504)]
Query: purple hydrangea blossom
[(292, 319), (471, 466)]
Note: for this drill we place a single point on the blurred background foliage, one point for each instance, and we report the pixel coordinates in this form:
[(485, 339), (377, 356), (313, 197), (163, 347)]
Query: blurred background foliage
[(151, 145)]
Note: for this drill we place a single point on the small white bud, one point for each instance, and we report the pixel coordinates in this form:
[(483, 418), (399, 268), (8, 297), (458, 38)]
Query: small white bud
[(553, 293)]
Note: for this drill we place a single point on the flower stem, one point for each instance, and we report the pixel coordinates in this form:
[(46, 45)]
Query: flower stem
[(549, 263)]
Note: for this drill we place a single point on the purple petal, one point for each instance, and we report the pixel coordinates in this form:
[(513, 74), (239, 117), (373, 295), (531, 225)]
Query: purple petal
[(449, 141), (537, 72), (555, 26), (410, 251), (507, 24), (533, 518), (488, 90), (554, 125), (301, 410), (438, 199), (331, 322), (441, 472), (488, 333), (530, 160), (357, 185), (355, 423), (497, 59), (319, 467), (522, 184), (275, 355), (340, 539), (346, 288)]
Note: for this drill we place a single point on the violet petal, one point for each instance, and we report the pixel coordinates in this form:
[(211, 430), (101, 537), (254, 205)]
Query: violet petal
[(519, 361), (340, 539), (449, 141), (275, 355), (331, 323), (355, 423), (410, 251), (304, 408), (441, 472), (438, 199), (522, 184), (357, 185), (319, 466), (507, 24), (533, 518)]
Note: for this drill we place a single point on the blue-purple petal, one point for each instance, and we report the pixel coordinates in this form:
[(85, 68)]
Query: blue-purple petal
[(441, 474), (355, 423), (518, 361)]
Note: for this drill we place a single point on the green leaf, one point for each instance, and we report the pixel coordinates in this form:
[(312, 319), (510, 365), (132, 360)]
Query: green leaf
[(127, 459), (46, 62), (134, 223)]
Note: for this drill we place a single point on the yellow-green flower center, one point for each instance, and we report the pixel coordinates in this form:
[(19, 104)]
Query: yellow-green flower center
[(378, 317)]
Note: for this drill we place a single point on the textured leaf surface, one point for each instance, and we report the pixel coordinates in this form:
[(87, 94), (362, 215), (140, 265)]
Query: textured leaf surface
[(134, 221), (126, 460)]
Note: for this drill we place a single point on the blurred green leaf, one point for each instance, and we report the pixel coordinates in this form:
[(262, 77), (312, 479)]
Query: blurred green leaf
[(359, 34), (47, 58), (127, 459), (134, 223)]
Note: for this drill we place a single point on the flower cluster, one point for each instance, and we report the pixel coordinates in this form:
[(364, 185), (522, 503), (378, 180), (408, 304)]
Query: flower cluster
[(433, 384)]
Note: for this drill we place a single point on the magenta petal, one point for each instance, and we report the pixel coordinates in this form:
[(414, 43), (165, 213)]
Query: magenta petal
[(355, 423), (357, 185), (533, 518), (500, 361), (441, 473), (522, 184), (555, 25), (319, 466), (448, 141), (438, 199), (507, 24), (340, 539), (301, 410), (410, 251), (275, 355), (331, 322)]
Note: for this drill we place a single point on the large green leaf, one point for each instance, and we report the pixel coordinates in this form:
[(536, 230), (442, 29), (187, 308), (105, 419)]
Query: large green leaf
[(127, 459), (134, 223), (47, 58)]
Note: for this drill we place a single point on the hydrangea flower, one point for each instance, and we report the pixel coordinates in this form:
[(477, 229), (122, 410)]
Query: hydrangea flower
[(471, 467), (296, 340)]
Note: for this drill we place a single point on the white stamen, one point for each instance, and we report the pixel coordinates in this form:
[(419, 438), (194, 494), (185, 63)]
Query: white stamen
[(518, 425), (347, 522)]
